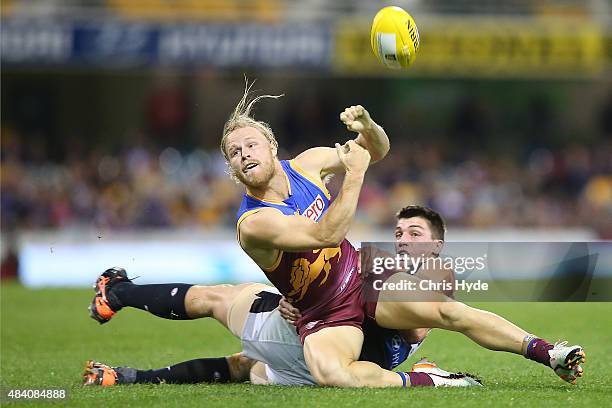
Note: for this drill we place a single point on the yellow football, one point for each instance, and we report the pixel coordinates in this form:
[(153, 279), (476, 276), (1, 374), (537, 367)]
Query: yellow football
[(394, 37)]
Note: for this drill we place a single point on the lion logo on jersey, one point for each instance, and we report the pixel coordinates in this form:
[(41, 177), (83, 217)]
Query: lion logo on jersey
[(304, 272)]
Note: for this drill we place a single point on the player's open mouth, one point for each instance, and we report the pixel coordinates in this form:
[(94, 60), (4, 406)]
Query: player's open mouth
[(249, 166)]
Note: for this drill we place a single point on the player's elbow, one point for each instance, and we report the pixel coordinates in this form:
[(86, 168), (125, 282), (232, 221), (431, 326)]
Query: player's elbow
[(331, 243), (329, 239), (334, 241), (379, 153), (384, 150)]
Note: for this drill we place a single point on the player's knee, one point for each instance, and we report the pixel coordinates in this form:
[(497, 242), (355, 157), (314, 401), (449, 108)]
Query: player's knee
[(415, 335), (196, 304), (452, 315), (328, 377), (329, 373), (239, 367), (258, 375), (203, 301)]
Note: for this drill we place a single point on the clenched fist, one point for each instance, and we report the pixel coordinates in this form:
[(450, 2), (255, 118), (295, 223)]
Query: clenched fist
[(356, 119)]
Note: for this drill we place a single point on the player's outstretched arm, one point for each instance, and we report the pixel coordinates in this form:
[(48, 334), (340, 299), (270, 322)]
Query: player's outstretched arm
[(270, 229), (371, 136), (323, 161)]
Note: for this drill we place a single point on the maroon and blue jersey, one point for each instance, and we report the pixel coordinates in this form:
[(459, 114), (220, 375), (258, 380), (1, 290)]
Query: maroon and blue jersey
[(323, 283), (307, 196)]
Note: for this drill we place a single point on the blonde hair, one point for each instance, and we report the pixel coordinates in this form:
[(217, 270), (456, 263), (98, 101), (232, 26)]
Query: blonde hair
[(241, 118)]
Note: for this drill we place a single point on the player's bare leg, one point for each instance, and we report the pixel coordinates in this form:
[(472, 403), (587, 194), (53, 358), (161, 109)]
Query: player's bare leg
[(223, 303), (257, 375), (175, 301), (331, 355), (485, 328)]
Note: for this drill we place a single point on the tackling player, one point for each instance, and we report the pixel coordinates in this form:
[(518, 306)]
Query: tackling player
[(287, 225), (419, 227), (251, 312), (420, 232)]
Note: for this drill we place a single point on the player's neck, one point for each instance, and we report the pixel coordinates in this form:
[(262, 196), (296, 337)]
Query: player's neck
[(277, 188)]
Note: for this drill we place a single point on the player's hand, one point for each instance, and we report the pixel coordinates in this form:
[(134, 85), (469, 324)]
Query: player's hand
[(356, 119), (355, 158), (289, 312)]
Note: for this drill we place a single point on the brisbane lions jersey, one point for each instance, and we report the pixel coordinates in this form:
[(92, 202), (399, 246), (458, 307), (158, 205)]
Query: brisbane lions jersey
[(308, 278)]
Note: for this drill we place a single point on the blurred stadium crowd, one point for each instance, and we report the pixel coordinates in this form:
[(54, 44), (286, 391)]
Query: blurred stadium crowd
[(144, 186), (112, 112), (508, 159)]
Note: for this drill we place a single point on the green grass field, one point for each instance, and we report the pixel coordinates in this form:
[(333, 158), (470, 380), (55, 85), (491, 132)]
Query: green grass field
[(47, 335)]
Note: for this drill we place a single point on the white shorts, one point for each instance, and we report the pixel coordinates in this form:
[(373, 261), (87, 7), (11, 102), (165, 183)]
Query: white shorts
[(268, 338)]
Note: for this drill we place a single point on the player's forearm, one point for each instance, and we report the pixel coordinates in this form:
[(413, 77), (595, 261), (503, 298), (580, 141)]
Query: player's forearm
[(334, 225), (375, 140)]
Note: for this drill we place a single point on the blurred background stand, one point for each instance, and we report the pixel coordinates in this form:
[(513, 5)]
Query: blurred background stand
[(112, 113)]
